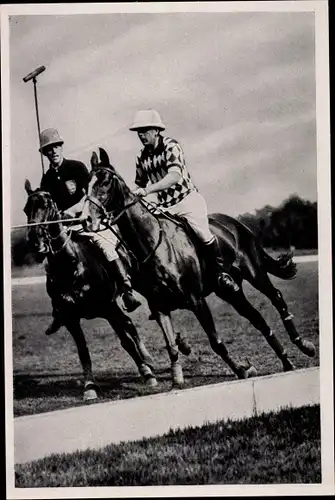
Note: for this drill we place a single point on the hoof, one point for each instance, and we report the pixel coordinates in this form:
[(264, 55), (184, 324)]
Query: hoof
[(90, 395), (146, 373), (246, 370), (242, 373), (151, 382), (177, 375), (251, 372), (307, 348), (183, 346), (288, 367), (90, 392), (179, 385)]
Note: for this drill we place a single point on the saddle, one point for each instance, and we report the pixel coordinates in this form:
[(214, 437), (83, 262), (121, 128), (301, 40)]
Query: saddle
[(181, 221), (199, 247)]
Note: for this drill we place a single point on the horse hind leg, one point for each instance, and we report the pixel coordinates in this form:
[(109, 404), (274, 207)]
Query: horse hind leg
[(205, 318), (240, 303), (265, 286)]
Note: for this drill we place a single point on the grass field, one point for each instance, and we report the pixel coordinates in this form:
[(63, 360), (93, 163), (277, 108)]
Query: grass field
[(47, 372), (276, 448)]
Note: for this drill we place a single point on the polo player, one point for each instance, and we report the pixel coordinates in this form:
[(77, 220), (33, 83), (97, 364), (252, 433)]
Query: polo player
[(161, 169), (67, 182)]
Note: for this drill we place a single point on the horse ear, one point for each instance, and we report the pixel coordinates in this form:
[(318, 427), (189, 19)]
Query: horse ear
[(104, 158), (27, 186), (94, 160)]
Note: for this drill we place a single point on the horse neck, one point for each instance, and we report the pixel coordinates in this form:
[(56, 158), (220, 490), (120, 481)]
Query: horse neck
[(58, 235), (139, 229)]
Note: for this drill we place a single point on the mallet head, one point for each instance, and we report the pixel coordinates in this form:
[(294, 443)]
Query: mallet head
[(34, 74)]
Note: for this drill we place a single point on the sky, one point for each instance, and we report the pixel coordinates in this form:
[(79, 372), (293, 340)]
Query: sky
[(236, 89)]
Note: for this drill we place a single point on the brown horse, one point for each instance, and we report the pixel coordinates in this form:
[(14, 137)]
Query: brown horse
[(83, 291), (172, 272)]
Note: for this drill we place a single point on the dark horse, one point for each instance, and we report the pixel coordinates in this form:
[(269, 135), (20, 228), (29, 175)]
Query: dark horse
[(172, 272), (87, 294)]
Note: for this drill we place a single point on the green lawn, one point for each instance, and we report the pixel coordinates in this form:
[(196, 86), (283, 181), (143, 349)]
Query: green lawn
[(278, 448)]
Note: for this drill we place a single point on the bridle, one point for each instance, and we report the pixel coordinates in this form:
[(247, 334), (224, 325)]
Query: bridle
[(110, 221), (45, 233)]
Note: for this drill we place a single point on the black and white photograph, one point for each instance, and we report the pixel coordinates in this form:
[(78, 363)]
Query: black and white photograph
[(167, 249)]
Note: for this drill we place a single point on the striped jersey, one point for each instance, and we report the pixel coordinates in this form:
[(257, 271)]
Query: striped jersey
[(153, 164)]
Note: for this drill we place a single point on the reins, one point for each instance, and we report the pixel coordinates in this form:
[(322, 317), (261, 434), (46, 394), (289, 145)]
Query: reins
[(110, 221), (46, 233), (67, 239)]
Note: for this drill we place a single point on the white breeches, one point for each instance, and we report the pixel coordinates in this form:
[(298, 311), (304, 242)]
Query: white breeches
[(194, 208), (105, 240)]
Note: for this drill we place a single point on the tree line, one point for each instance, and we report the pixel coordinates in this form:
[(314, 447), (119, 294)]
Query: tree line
[(292, 224)]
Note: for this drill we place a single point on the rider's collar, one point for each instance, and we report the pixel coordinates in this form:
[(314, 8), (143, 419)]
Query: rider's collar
[(56, 167), (151, 149)]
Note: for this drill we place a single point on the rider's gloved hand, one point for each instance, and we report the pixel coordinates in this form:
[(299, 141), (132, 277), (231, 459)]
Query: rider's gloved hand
[(141, 192)]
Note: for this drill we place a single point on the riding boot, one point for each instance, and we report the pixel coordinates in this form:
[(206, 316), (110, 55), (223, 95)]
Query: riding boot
[(217, 266), (119, 273)]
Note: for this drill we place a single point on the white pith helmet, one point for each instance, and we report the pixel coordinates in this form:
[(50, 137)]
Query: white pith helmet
[(147, 118)]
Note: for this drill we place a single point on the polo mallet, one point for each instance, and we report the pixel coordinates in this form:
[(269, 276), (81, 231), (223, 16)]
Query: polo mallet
[(32, 76)]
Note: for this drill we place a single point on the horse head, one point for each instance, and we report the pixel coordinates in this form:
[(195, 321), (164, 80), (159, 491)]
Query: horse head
[(39, 208), (107, 190)]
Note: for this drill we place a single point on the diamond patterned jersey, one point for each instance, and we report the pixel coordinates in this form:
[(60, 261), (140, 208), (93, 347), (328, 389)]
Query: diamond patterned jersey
[(153, 165)]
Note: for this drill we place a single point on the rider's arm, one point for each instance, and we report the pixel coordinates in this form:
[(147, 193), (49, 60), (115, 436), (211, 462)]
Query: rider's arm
[(174, 164), (171, 178), (75, 210)]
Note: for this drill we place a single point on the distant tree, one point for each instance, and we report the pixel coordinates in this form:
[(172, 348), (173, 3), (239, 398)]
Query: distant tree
[(293, 223)]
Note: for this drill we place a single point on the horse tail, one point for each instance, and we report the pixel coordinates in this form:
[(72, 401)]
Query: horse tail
[(283, 267)]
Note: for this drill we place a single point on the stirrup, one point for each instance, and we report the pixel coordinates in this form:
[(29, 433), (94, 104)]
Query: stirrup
[(227, 281)]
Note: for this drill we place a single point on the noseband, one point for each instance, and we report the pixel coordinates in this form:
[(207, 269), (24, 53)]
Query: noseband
[(93, 199), (45, 233)]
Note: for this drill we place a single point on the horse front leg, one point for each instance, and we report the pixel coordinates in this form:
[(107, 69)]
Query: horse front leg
[(165, 323), (205, 318), (90, 387), (131, 342)]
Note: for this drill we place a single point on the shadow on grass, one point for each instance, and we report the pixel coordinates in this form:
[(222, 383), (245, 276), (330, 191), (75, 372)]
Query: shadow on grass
[(70, 385)]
